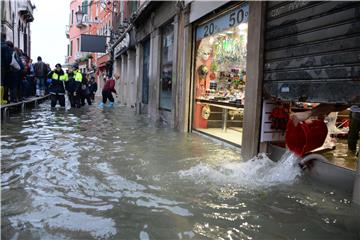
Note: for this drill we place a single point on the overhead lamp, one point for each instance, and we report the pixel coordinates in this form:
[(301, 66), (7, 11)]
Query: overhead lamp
[(79, 15)]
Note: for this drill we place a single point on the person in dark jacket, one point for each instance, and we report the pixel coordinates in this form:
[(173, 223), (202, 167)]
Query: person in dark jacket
[(6, 57), (57, 78), (92, 87), (85, 92), (74, 86), (16, 76), (40, 71)]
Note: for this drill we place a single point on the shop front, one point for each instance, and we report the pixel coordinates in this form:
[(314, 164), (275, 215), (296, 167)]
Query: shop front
[(159, 85), (311, 57), (220, 73), (124, 65)]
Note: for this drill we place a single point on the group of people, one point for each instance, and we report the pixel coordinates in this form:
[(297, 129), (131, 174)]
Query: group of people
[(80, 88), (20, 78)]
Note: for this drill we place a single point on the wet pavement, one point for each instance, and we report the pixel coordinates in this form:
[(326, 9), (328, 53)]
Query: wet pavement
[(111, 174)]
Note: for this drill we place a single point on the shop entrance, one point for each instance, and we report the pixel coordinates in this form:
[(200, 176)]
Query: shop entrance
[(311, 57), (220, 75)]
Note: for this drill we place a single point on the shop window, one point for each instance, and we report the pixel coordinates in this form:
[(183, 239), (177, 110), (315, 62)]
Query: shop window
[(166, 67), (84, 7), (72, 17), (220, 75)]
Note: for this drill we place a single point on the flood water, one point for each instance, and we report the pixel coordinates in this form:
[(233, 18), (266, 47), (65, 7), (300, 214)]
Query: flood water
[(92, 174)]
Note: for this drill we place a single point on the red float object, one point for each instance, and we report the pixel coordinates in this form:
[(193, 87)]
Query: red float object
[(306, 136)]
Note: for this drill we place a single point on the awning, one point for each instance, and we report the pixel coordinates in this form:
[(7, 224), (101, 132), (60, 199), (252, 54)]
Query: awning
[(101, 61)]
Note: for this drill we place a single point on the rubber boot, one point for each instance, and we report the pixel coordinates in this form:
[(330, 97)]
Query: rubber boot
[(37, 92), (2, 96), (101, 105), (111, 105)]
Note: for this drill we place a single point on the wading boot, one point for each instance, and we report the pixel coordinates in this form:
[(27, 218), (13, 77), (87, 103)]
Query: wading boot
[(101, 105)]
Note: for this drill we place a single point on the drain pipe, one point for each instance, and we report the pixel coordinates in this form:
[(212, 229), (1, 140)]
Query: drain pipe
[(356, 192), (307, 161)]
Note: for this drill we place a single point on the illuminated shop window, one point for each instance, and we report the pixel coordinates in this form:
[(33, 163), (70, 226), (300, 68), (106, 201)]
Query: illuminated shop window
[(220, 73)]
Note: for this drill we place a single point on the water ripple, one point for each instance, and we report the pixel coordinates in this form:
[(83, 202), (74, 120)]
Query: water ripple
[(111, 174)]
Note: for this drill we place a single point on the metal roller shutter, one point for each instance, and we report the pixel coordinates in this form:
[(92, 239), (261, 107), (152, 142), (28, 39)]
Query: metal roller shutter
[(312, 51)]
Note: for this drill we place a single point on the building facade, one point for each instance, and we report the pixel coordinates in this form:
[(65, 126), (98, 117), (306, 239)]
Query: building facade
[(165, 46), (16, 17), (96, 20), (223, 68)]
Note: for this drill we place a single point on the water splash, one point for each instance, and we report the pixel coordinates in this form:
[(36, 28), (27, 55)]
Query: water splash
[(259, 171)]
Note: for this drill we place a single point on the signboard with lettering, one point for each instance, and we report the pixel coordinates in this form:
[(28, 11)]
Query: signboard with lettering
[(128, 42), (124, 44), (230, 19)]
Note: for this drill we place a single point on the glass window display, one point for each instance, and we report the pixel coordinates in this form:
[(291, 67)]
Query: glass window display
[(220, 77), (167, 48)]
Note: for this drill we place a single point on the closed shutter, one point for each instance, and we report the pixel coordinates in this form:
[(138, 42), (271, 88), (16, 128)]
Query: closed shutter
[(312, 51)]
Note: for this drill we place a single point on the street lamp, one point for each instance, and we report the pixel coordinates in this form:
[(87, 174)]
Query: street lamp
[(79, 15)]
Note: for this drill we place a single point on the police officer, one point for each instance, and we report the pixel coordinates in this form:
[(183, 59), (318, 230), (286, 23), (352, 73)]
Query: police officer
[(57, 79), (74, 86)]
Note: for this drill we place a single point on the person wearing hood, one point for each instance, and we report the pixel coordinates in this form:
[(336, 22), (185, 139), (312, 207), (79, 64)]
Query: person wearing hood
[(57, 79)]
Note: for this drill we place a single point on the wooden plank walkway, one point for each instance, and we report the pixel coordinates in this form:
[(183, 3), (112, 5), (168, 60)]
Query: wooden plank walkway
[(20, 106)]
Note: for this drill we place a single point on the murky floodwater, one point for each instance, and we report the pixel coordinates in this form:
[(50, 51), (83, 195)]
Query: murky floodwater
[(91, 174)]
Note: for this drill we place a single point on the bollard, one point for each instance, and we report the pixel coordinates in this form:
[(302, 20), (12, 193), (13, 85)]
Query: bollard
[(356, 191)]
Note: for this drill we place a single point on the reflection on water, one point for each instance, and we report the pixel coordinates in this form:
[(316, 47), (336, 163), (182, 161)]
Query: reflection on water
[(91, 174)]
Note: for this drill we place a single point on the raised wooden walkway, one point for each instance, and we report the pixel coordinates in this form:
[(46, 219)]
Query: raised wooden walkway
[(6, 109)]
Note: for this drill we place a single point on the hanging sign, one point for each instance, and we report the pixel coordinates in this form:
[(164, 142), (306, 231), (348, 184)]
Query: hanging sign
[(230, 19), (124, 44)]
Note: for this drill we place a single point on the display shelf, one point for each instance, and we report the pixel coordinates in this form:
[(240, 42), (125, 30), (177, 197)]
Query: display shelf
[(220, 103)]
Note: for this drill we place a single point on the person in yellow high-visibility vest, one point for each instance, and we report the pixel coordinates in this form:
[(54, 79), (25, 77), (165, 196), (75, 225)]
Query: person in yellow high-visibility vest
[(57, 79)]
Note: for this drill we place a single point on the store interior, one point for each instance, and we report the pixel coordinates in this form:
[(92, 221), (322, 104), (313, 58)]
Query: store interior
[(335, 147), (220, 78)]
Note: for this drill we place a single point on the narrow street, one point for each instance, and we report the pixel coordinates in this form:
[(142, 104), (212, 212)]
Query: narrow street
[(238, 120), (110, 174)]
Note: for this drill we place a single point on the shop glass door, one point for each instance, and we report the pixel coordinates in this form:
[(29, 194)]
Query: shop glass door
[(220, 75)]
